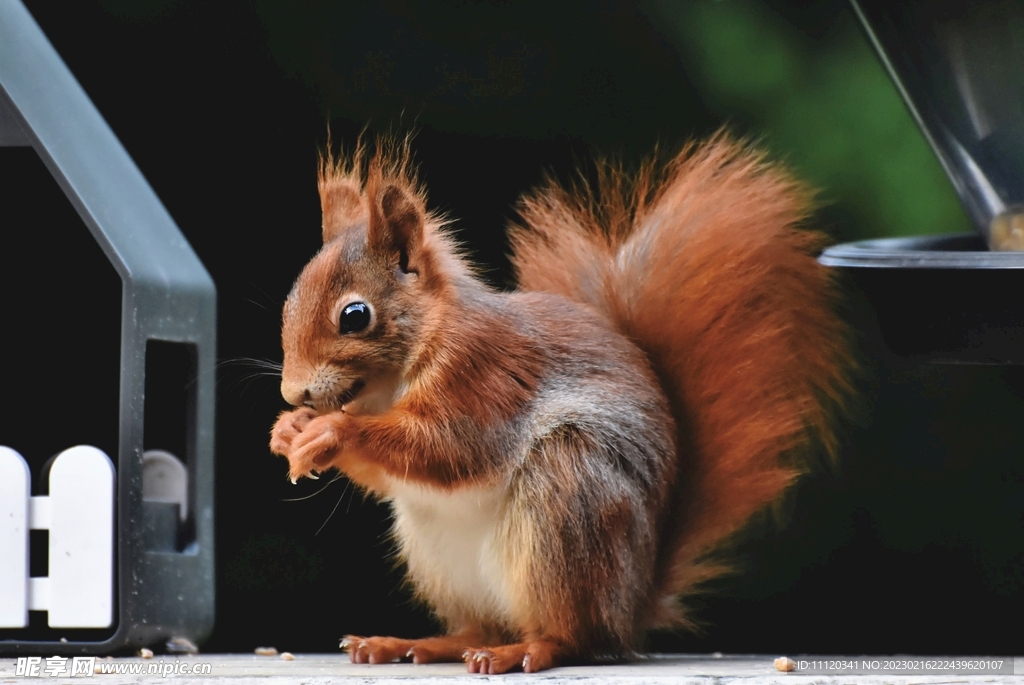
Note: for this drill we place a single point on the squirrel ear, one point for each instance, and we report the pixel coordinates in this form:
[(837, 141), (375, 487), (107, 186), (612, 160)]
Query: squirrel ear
[(342, 207), (397, 227)]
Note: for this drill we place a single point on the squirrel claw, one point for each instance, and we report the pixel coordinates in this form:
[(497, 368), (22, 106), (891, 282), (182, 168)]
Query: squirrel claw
[(482, 662)]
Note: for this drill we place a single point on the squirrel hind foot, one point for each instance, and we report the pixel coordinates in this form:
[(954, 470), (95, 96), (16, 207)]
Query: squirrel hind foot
[(429, 650), (375, 650), (530, 657)]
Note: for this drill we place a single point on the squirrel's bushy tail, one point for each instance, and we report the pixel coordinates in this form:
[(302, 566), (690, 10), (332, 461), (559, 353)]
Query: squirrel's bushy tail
[(702, 263)]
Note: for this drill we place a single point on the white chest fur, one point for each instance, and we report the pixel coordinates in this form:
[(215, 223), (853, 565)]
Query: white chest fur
[(450, 540)]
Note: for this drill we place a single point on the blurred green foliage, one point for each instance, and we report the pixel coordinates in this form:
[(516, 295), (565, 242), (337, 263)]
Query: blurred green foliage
[(797, 75), (822, 101)]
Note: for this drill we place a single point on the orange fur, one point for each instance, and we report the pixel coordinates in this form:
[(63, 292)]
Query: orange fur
[(564, 461)]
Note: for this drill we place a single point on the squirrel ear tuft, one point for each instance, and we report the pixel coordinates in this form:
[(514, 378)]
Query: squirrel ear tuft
[(397, 225), (342, 206)]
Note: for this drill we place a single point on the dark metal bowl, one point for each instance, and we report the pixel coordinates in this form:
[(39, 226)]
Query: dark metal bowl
[(944, 299)]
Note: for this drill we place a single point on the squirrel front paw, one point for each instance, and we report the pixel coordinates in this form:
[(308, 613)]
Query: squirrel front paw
[(289, 425), (315, 446)]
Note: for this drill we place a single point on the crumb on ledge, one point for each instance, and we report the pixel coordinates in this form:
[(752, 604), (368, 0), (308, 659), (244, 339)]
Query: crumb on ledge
[(785, 664)]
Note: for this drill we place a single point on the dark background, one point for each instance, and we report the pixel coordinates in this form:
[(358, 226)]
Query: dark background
[(913, 543)]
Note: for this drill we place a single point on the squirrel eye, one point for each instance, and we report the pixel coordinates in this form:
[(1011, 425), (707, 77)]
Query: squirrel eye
[(354, 317)]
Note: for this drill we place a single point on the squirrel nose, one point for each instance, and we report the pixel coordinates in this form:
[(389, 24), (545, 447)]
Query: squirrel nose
[(294, 394)]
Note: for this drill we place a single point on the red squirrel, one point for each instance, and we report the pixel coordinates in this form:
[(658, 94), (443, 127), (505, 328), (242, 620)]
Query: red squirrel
[(563, 461)]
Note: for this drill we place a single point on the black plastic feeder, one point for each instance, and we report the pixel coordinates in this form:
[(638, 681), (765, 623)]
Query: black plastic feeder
[(130, 531)]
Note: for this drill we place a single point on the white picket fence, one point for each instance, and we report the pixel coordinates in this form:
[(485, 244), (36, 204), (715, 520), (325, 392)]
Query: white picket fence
[(79, 513)]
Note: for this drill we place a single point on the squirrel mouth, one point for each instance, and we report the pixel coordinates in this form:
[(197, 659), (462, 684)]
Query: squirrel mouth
[(350, 394)]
